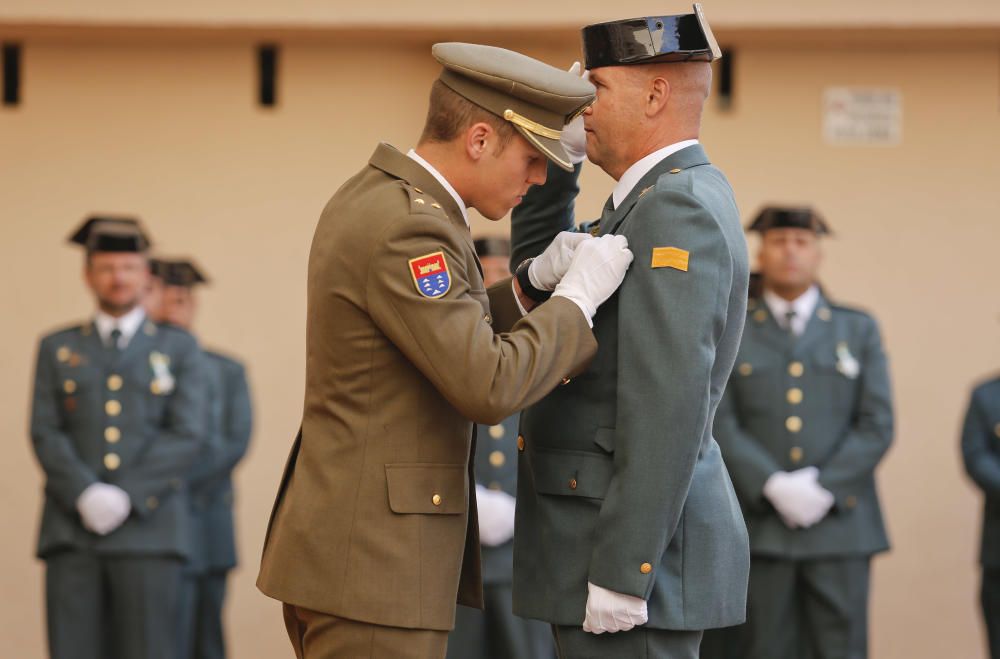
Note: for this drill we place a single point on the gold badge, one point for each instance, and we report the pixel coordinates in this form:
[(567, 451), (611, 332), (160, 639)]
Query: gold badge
[(63, 353), (670, 257)]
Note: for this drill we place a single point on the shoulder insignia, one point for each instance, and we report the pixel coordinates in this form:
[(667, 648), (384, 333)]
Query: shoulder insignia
[(431, 275), (670, 257)]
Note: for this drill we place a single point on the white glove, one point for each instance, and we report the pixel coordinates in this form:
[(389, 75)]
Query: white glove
[(103, 507), (574, 137), (496, 516), (547, 269), (608, 611), (798, 497), (598, 268)]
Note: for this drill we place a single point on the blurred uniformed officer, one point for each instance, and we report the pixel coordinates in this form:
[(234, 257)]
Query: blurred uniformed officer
[(629, 535), (981, 452), (117, 420), (805, 420), (405, 348), (201, 632), (495, 632)]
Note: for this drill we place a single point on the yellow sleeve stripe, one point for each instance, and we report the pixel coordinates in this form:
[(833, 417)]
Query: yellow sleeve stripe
[(670, 257)]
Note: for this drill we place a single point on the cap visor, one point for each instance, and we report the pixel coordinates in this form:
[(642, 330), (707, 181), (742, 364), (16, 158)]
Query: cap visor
[(551, 149)]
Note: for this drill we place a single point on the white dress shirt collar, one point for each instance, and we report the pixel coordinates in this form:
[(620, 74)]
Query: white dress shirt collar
[(442, 180), (803, 306), (641, 167), (128, 325)]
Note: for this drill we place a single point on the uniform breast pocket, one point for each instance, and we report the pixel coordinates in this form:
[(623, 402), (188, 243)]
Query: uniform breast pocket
[(427, 489), (831, 385)]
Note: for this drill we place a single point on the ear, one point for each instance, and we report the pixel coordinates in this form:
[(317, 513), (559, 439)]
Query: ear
[(657, 96), (477, 140)]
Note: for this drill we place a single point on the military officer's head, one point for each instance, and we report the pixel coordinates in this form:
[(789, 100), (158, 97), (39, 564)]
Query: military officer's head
[(116, 267), (494, 254), (652, 75), (494, 118), (790, 252), (180, 304)]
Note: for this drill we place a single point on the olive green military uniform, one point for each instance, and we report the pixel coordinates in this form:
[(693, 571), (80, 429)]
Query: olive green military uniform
[(620, 481), (821, 399), (495, 632), (203, 592), (981, 452), (133, 418)]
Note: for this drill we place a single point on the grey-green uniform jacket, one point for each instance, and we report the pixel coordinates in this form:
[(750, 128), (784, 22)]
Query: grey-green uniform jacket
[(230, 421), (620, 482), (822, 399), (98, 416), (981, 452)]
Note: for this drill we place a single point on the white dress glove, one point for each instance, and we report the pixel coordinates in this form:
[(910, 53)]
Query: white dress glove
[(103, 508), (547, 269), (798, 497), (496, 516), (608, 611), (598, 268), (574, 137)]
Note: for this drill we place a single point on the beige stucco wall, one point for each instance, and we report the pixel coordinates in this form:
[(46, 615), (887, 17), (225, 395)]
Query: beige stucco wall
[(169, 131)]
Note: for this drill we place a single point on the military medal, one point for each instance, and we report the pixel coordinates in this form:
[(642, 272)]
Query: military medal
[(163, 379), (846, 363), (430, 275)]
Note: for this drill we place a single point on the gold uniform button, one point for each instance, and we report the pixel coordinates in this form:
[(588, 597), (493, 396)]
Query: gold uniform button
[(489, 319), (112, 435), (566, 381), (113, 408), (746, 369), (152, 503), (63, 353), (112, 461), (436, 205), (796, 369), (572, 483), (851, 501), (495, 486), (794, 396), (418, 190), (796, 454), (420, 201), (497, 459), (645, 568), (69, 386), (114, 382), (675, 171), (760, 315), (793, 423), (497, 431), (824, 314), (436, 499), (520, 442)]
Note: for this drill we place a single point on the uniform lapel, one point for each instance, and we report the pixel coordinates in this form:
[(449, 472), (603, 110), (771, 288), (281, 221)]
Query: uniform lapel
[(687, 157), (768, 329), (138, 345), (818, 328)]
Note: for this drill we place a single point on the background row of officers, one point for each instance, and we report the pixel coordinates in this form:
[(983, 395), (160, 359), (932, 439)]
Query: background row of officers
[(138, 430)]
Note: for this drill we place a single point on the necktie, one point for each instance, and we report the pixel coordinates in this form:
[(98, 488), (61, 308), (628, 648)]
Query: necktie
[(789, 320), (116, 336), (609, 208)]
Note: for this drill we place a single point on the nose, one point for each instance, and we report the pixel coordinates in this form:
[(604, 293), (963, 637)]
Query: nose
[(537, 173)]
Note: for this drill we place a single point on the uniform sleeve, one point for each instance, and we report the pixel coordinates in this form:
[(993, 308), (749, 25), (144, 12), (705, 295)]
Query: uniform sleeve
[(544, 212), (66, 475), (486, 376), (669, 323), (504, 308), (235, 427), (749, 463), (981, 462), (860, 451), (176, 444)]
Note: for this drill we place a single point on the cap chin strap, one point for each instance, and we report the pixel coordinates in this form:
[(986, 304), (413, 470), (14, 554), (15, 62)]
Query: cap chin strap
[(532, 126)]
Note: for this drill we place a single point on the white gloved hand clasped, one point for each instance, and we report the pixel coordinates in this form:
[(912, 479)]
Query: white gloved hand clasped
[(608, 611), (103, 507), (574, 137), (496, 516), (548, 268), (598, 268), (798, 497)]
